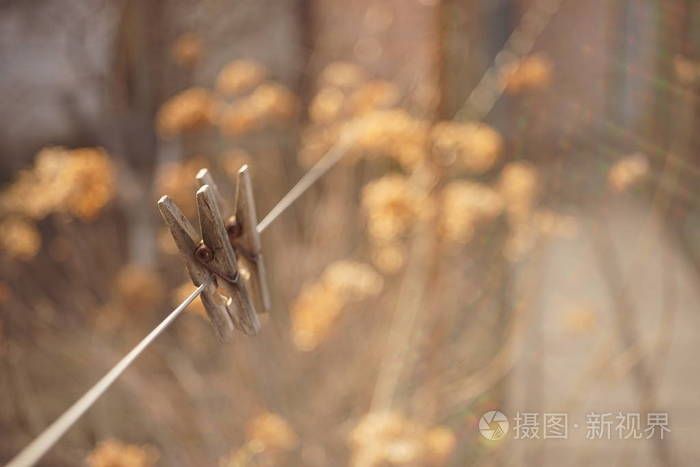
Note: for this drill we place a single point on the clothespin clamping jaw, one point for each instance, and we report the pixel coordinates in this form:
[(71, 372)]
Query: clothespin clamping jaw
[(229, 250)]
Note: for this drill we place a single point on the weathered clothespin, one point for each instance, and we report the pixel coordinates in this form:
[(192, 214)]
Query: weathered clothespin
[(228, 249), (241, 224)]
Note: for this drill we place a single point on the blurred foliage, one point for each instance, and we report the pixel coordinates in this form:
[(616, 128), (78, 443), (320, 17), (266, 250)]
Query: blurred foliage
[(395, 309)]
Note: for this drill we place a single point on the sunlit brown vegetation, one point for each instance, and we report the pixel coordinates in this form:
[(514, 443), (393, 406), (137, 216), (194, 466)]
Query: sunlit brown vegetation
[(409, 284)]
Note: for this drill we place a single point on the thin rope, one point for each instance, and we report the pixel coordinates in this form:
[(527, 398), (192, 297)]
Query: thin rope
[(50, 436), (37, 448), (492, 85)]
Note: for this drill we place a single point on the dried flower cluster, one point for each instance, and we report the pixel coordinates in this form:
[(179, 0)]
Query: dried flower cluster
[(519, 186), (320, 304), (79, 182), (186, 112), (239, 76), (628, 172), (268, 103), (327, 105), (382, 438), (269, 437), (392, 205), (272, 432), (187, 50), (115, 453), (257, 103), (352, 281), (195, 109), (348, 103), (388, 257), (391, 133), (466, 205), (529, 74), (342, 75), (19, 238), (476, 146), (91, 177), (335, 102), (373, 95)]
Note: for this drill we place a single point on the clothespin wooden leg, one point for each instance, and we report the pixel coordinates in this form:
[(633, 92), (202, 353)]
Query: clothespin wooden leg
[(185, 239), (249, 240), (218, 256), (204, 178), (241, 223)]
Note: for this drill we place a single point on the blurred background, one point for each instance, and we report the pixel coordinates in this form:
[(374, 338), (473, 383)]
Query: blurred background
[(513, 227)]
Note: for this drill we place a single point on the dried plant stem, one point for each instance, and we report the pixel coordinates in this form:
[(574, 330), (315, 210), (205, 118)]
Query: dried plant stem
[(409, 303), (626, 319), (464, 390), (406, 316)]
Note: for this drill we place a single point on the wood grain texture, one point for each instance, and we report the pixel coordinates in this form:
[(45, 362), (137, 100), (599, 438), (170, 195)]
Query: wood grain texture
[(224, 262), (185, 238), (249, 241)]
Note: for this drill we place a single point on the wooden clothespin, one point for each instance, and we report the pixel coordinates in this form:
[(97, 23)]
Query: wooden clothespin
[(216, 254), (241, 225)]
